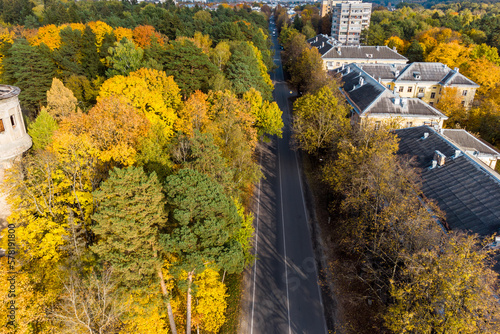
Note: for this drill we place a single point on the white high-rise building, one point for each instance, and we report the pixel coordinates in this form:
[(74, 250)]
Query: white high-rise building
[(349, 18)]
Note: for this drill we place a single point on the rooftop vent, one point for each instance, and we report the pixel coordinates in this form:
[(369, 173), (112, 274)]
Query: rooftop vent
[(361, 81), (396, 73), (434, 164), (426, 134), (369, 55), (457, 154), (323, 44), (416, 75), (378, 48), (394, 49), (457, 69), (439, 157)]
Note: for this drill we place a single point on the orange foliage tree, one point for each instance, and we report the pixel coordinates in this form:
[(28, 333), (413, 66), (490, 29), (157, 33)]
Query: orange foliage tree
[(144, 35), (114, 126)]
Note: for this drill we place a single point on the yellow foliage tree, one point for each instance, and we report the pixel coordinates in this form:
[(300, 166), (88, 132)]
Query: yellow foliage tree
[(483, 72), (100, 29), (48, 35), (60, 100), (6, 37), (451, 54), (395, 41), (211, 294), (152, 92), (450, 103), (121, 33)]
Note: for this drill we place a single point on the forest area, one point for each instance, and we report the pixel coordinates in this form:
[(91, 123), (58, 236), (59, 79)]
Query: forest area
[(393, 267), (130, 210)]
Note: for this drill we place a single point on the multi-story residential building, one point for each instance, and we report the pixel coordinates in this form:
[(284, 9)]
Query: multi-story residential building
[(423, 80), (335, 55), (349, 18), (464, 188), (373, 104)]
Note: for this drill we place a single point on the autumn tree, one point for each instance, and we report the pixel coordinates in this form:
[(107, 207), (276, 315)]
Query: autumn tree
[(320, 120), (451, 105), (60, 100), (42, 129), (143, 36), (448, 288), (113, 126), (267, 114), (152, 92)]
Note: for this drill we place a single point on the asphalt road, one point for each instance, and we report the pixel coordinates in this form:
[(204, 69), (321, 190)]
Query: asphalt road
[(284, 295)]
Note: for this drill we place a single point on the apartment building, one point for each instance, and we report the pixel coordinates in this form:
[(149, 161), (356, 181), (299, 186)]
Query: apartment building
[(426, 81), (349, 18), (334, 55)]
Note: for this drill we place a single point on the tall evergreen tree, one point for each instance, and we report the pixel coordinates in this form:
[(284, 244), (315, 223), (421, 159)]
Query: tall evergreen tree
[(202, 228), (191, 68), (31, 69), (91, 64), (128, 221)]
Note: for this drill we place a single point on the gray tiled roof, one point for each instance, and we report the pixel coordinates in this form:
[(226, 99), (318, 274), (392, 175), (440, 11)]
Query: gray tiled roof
[(383, 71), (434, 72), (321, 42), (363, 52), (373, 97), (465, 190), (470, 143), (327, 49)]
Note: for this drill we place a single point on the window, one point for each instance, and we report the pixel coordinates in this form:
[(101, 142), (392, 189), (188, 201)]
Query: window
[(463, 103), (464, 93), (420, 90), (409, 124), (13, 121), (377, 125), (431, 103), (2, 128), (433, 95), (409, 89), (401, 89)]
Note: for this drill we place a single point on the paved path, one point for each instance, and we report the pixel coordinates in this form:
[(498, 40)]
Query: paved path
[(283, 294)]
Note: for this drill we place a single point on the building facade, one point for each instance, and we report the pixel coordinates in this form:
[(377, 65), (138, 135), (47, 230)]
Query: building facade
[(349, 18), (373, 104), (427, 81), (14, 140)]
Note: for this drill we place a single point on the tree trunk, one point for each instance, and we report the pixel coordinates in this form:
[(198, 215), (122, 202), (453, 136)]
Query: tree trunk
[(171, 319), (188, 304)]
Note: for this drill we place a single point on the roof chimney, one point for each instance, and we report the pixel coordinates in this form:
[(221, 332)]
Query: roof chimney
[(434, 164), (394, 49), (439, 157), (404, 102), (378, 48), (426, 134), (457, 154), (361, 81), (322, 44), (397, 99), (457, 69), (348, 70)]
